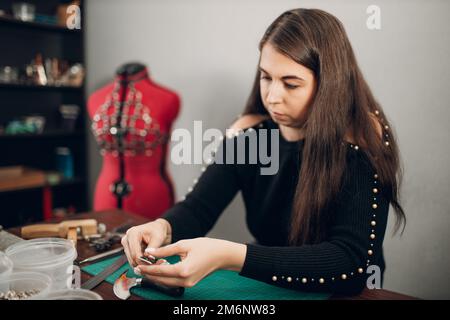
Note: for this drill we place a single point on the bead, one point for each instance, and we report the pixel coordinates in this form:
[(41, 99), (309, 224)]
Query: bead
[(321, 280), (375, 190), (360, 270), (260, 125), (386, 127), (374, 206), (289, 279), (195, 181), (375, 176), (304, 280), (274, 278), (370, 252), (190, 189), (386, 143), (372, 236), (377, 112), (343, 276), (203, 169), (356, 147)]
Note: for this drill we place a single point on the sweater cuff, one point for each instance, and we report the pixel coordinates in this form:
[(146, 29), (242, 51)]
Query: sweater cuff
[(257, 264)]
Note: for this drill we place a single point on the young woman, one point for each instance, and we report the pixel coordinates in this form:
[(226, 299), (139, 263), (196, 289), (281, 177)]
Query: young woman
[(319, 222)]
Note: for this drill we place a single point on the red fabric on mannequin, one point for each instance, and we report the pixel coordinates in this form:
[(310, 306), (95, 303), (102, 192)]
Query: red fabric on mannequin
[(152, 192)]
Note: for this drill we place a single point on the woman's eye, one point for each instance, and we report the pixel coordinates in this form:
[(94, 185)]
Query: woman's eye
[(291, 86), (265, 78)]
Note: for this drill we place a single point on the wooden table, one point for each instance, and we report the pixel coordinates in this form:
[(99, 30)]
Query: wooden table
[(116, 218)]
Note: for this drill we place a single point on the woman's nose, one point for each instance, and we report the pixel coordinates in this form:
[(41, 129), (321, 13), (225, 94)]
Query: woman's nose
[(275, 94)]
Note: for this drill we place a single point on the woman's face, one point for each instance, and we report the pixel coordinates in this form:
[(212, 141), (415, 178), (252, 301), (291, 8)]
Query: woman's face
[(287, 88)]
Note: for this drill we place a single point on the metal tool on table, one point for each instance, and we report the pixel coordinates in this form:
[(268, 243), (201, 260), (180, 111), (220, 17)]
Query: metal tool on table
[(102, 256), (123, 285), (96, 280), (104, 241)]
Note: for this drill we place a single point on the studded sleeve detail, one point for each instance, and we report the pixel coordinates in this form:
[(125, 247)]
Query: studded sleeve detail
[(354, 240)]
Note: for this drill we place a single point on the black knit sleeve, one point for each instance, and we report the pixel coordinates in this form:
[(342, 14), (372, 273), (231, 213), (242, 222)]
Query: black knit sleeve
[(207, 198), (354, 242)]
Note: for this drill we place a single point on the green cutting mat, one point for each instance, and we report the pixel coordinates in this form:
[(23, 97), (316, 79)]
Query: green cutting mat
[(220, 285)]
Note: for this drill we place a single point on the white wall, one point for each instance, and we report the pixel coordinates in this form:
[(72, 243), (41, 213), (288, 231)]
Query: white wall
[(207, 51)]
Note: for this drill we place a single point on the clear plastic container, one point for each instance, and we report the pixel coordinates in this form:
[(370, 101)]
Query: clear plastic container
[(21, 282), (52, 256), (6, 267), (73, 294)]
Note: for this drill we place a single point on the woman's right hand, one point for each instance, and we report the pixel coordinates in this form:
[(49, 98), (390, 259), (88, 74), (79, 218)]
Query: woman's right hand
[(150, 235)]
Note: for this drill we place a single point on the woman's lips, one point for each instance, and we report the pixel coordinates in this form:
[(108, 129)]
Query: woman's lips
[(277, 114)]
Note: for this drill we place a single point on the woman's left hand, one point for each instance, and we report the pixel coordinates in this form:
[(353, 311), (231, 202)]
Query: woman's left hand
[(199, 257)]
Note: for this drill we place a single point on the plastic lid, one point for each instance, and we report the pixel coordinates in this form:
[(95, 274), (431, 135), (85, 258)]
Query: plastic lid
[(41, 252), (73, 294), (6, 264)]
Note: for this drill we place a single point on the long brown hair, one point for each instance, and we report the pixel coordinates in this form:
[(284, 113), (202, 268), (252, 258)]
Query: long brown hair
[(343, 104)]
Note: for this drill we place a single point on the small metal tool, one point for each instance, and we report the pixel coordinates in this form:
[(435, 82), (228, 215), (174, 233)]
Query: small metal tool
[(95, 281), (102, 256)]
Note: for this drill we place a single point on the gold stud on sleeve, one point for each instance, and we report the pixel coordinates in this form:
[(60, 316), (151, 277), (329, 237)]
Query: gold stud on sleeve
[(289, 279), (343, 276), (304, 280), (274, 278), (321, 280)]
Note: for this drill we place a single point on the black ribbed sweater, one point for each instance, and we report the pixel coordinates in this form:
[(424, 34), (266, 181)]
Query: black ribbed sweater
[(338, 264)]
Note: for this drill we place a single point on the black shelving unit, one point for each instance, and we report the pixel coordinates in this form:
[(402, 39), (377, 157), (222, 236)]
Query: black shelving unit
[(21, 41)]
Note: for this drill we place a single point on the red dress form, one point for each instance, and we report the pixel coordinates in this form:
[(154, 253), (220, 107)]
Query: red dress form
[(147, 115)]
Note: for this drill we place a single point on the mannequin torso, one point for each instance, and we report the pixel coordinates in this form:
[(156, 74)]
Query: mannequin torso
[(146, 119)]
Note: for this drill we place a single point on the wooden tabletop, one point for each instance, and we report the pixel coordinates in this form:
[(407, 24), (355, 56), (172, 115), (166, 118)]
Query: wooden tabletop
[(115, 218)]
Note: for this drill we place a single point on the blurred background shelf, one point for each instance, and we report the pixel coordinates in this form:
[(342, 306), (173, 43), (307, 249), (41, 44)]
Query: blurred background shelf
[(22, 42), (16, 86), (9, 21)]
